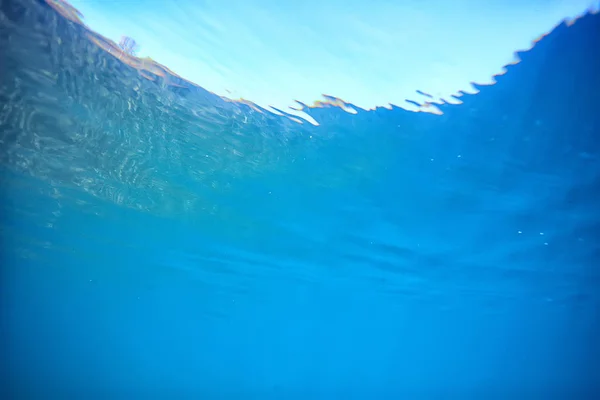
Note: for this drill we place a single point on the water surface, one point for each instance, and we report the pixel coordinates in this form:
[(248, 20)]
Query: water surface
[(168, 243)]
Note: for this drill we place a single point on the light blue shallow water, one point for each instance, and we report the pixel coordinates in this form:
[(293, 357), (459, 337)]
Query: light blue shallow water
[(164, 245)]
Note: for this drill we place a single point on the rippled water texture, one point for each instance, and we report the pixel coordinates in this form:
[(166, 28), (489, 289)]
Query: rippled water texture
[(162, 242)]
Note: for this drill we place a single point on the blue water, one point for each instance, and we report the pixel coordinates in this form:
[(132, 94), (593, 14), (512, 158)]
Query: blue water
[(165, 244)]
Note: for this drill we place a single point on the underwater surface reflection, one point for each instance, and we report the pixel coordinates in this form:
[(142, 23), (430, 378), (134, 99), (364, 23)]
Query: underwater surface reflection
[(161, 241)]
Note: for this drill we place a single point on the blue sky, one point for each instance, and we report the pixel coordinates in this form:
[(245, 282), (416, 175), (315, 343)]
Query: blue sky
[(369, 53)]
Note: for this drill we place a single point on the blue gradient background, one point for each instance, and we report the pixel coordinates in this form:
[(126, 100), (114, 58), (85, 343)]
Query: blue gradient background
[(402, 255), (369, 53)]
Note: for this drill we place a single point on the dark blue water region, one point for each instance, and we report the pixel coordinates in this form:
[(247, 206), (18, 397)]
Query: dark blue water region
[(165, 243)]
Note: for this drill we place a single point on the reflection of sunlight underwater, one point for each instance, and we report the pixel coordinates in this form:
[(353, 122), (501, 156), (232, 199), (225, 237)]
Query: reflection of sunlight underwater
[(159, 239)]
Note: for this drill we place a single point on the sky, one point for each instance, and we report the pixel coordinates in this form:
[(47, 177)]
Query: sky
[(368, 53)]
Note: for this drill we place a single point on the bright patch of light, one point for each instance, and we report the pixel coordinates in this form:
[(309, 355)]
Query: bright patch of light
[(369, 53)]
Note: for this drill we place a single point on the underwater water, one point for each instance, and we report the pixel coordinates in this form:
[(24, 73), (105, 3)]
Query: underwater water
[(166, 243)]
